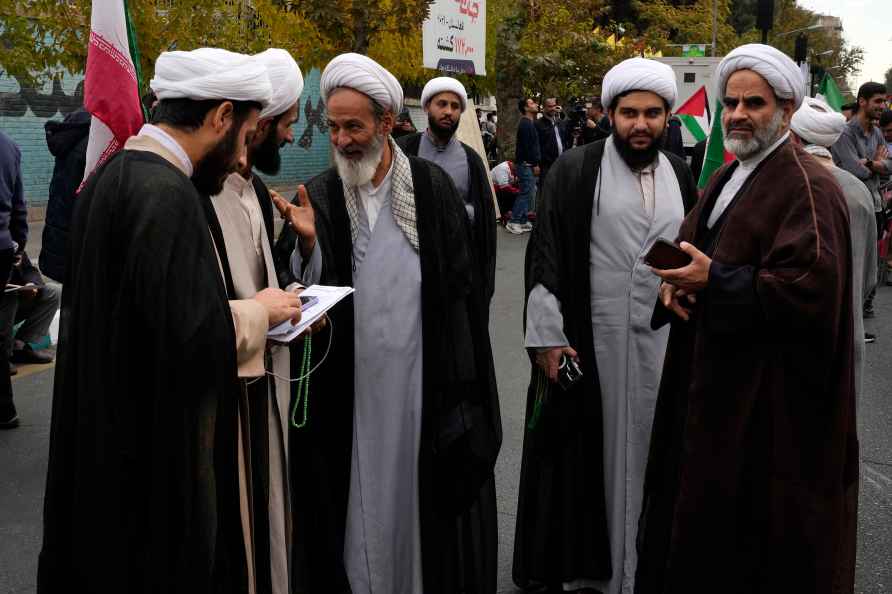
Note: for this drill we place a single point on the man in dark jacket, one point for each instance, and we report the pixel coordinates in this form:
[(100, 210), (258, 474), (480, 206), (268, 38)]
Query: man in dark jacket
[(13, 236), (526, 161), (67, 141), (553, 136)]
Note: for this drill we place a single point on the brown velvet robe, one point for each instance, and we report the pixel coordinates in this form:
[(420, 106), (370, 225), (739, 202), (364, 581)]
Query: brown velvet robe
[(752, 476)]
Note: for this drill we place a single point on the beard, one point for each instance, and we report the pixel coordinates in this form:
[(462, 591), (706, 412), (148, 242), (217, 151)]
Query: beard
[(358, 172), (762, 138), (267, 158), (442, 131), (638, 158), (211, 172)]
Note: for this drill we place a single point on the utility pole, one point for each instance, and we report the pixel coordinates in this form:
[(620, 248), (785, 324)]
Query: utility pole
[(715, 19)]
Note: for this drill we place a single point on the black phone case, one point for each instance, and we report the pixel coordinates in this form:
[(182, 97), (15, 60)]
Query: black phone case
[(665, 255)]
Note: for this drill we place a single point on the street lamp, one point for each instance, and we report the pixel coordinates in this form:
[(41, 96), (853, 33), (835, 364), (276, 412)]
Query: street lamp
[(809, 28)]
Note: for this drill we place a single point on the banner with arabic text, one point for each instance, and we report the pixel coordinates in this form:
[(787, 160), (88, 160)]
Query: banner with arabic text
[(454, 37)]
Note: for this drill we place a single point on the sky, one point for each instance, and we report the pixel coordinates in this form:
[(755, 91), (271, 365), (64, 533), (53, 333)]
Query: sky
[(867, 23)]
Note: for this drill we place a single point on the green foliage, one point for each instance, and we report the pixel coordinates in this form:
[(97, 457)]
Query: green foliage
[(889, 80)]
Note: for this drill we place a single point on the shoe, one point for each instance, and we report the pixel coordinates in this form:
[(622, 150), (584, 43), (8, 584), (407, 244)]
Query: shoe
[(9, 418), (518, 229), (868, 311), (869, 338), (29, 355), (13, 370)]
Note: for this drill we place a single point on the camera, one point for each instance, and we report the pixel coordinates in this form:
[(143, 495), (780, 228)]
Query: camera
[(569, 373)]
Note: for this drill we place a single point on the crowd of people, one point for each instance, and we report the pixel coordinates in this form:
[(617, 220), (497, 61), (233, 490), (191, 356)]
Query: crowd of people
[(696, 357)]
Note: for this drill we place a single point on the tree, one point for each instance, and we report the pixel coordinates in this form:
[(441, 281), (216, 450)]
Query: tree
[(889, 80)]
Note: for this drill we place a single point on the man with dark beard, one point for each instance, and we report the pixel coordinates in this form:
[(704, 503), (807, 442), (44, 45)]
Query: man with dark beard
[(589, 298), (752, 477), (403, 424), (143, 484), (444, 100), (244, 210)]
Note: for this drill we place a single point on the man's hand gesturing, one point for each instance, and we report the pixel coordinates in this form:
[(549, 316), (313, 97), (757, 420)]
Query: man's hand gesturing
[(300, 216)]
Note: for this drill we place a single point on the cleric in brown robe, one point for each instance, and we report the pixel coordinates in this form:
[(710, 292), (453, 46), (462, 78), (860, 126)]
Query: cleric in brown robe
[(752, 477)]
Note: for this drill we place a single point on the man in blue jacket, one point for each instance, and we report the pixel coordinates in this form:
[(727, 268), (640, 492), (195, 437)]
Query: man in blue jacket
[(526, 162), (13, 236)]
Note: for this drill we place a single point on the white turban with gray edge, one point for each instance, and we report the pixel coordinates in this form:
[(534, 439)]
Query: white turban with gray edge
[(444, 84), (211, 73), (361, 73), (770, 63), (286, 80), (639, 74), (815, 122)]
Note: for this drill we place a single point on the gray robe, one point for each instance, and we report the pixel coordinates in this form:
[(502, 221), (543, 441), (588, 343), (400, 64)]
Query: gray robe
[(627, 217)]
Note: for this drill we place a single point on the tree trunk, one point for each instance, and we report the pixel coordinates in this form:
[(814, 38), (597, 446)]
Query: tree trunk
[(509, 78)]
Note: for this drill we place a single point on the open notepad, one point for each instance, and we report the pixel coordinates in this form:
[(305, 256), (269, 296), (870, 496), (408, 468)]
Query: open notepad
[(326, 298)]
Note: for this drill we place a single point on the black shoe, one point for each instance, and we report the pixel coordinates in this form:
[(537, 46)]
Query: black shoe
[(13, 370), (9, 418), (869, 338), (28, 355)]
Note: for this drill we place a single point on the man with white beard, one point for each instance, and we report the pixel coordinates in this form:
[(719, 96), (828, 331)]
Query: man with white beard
[(752, 476), (404, 426)]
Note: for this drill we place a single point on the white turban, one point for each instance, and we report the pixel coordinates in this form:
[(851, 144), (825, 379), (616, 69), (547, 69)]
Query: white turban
[(639, 74), (361, 73), (444, 84), (770, 63), (285, 78), (816, 123), (211, 73)]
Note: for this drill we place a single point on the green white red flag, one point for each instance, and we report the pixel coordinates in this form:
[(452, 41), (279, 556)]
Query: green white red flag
[(830, 93), (111, 84), (694, 114), (716, 155)]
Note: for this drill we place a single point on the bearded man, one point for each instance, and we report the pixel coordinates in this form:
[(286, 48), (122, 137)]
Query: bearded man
[(589, 298), (752, 476), (816, 127), (144, 464), (244, 215), (444, 100), (404, 426)]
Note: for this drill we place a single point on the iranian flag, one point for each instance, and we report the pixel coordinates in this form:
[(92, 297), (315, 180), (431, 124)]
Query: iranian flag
[(716, 155), (694, 114), (829, 93), (111, 85)]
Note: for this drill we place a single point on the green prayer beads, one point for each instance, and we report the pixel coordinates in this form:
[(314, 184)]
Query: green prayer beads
[(303, 386)]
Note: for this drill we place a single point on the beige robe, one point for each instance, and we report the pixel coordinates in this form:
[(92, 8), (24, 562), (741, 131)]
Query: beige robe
[(251, 264), (251, 324)]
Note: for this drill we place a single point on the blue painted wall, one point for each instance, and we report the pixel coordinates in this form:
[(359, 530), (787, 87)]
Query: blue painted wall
[(23, 114)]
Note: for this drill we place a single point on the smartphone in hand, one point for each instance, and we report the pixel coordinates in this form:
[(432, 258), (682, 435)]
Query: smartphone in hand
[(665, 255)]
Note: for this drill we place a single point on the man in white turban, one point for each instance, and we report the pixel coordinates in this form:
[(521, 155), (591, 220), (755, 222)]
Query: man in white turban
[(444, 99), (816, 128), (589, 295), (752, 476), (244, 212), (403, 425), (144, 468)]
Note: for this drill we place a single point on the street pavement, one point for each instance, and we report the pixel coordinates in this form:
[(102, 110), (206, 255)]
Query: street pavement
[(23, 451)]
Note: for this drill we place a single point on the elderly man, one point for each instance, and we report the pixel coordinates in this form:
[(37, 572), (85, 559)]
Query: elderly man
[(244, 213), (445, 99), (589, 297), (816, 127), (144, 464), (403, 425), (752, 476)]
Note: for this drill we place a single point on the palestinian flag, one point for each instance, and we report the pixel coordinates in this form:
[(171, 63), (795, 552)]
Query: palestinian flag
[(112, 82), (829, 93), (716, 155), (694, 114)]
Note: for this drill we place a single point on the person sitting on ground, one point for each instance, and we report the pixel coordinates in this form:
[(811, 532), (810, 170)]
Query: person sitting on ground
[(504, 180)]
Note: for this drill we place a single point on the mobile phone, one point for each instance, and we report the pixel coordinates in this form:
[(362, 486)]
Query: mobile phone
[(307, 302), (568, 372), (665, 255)]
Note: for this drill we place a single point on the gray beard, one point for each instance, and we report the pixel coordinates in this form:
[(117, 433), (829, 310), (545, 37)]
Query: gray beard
[(762, 138), (355, 173)]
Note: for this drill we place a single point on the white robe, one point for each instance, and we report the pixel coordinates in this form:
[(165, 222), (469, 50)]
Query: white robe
[(630, 211)]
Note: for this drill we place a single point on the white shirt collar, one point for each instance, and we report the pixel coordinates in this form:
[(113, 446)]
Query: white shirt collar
[(170, 143)]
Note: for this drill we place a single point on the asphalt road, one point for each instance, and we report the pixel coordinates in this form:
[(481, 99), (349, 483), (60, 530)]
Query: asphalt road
[(23, 451)]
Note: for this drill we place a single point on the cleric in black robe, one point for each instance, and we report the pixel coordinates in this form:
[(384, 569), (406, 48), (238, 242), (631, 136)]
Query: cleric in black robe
[(143, 481), (445, 99), (421, 348)]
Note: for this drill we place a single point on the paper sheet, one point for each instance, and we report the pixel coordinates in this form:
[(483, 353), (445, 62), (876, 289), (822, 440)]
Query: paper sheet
[(327, 297)]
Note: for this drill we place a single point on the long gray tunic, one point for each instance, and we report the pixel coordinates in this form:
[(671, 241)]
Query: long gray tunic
[(454, 161), (630, 211)]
